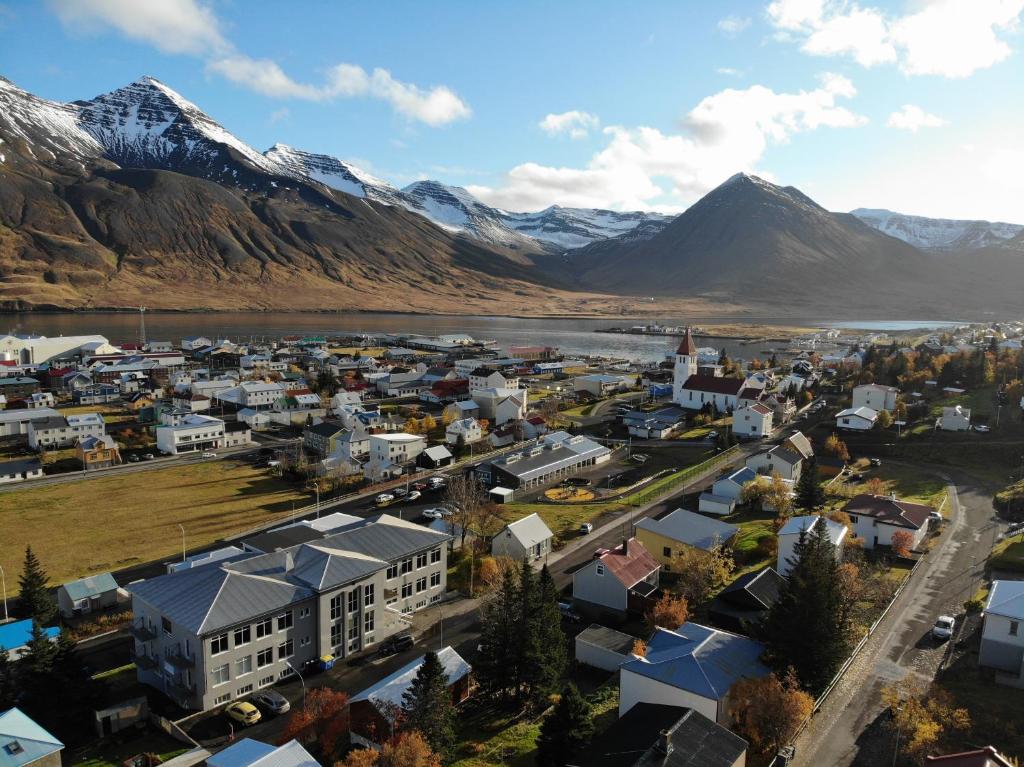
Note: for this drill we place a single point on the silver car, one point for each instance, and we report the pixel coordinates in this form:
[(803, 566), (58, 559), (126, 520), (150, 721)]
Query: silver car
[(943, 628), (272, 700)]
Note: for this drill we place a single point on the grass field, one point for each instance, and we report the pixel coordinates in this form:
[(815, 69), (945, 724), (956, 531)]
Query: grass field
[(112, 751), (80, 528), (1008, 554), (111, 412), (753, 526)]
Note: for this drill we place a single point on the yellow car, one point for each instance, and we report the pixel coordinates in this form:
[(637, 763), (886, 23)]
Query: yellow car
[(243, 713)]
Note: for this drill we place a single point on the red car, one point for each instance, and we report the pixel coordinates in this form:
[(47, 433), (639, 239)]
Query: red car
[(421, 486)]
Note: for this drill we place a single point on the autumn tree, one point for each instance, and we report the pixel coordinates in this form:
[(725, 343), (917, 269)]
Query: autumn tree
[(319, 723), (639, 648), (768, 711), (778, 496), (565, 731), (837, 448), (700, 572), (884, 419), (901, 543), (875, 486), (409, 749), (669, 612), (921, 713)]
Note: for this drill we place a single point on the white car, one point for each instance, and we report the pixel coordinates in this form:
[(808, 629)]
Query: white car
[(414, 495), (208, 454), (384, 499), (982, 429), (943, 628), (438, 513)]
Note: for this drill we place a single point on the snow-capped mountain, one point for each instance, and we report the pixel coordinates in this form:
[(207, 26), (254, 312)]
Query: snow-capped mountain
[(575, 227), (938, 234), (333, 172)]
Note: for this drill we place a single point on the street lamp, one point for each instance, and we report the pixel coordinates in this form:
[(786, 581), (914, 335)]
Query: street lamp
[(303, 681), (182, 542)]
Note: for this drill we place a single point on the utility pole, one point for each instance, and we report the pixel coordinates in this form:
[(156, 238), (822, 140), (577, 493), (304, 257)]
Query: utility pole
[(142, 325), (182, 542)]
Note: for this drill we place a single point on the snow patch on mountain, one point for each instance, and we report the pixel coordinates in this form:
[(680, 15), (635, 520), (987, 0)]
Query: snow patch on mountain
[(455, 209), (47, 127), (332, 172), (938, 233), (572, 228)]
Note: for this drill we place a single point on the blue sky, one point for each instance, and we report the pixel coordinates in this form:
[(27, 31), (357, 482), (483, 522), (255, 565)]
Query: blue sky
[(914, 106)]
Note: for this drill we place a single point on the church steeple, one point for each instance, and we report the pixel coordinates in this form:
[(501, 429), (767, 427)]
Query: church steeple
[(685, 364), (687, 346)]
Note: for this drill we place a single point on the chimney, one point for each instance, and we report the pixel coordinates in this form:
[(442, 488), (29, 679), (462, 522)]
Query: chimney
[(892, 497), (664, 744), (625, 547)]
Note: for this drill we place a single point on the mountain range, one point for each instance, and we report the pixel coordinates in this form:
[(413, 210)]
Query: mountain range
[(139, 197)]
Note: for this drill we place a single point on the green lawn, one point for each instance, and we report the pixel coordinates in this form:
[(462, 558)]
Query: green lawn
[(113, 750), (1008, 554), (123, 519)]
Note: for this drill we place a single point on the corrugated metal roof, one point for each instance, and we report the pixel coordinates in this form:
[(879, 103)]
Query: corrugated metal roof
[(90, 586), (690, 528), (529, 530), (391, 688), (252, 753), (33, 742)]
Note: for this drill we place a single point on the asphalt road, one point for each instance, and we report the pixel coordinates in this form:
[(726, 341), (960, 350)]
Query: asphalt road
[(842, 733)]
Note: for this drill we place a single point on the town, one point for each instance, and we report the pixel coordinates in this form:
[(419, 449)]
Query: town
[(417, 550)]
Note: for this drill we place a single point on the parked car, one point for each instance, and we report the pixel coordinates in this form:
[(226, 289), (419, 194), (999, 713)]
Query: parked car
[(875, 461), (437, 483), (421, 486), (243, 712), (133, 458), (1015, 529), (272, 701), (208, 454), (438, 513), (586, 528), (982, 429), (149, 456), (414, 495), (568, 613), (395, 644), (638, 458), (384, 499), (943, 628), (399, 492), (576, 481), (712, 434), (935, 516)]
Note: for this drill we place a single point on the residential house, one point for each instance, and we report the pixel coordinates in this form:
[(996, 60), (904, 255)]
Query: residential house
[(250, 394), (40, 399), (373, 712), (780, 459), (534, 427), (731, 485), (320, 437), (20, 470), (500, 406), (465, 430), (195, 343), (1002, 640), (694, 666), (526, 538), (253, 753), (857, 418), (617, 582), (484, 378), (798, 529), (982, 757), (192, 433), (875, 397), (211, 634), (75, 380), (462, 409), (96, 394), (503, 436), (876, 518), (55, 432), (700, 391), (553, 456), (659, 735), (23, 742), (14, 423), (391, 453), (15, 636), (602, 647), (670, 536), (600, 385), (236, 434), (88, 595), (744, 604), (753, 421), (18, 387), (956, 418), (99, 452), (659, 424), (194, 403), (436, 457), (782, 407)]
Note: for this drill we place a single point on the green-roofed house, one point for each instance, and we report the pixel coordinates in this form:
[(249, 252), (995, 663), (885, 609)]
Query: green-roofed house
[(89, 595), (23, 742)]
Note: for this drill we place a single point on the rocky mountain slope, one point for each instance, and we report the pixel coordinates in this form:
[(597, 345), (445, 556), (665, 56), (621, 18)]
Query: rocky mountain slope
[(938, 234)]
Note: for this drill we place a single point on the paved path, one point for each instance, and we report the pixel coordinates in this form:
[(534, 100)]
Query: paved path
[(841, 733)]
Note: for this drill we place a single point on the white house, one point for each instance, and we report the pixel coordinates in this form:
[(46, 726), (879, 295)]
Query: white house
[(466, 428), (752, 421), (20, 470), (955, 418), (694, 666), (40, 399), (192, 433), (858, 418), (390, 452), (53, 432), (802, 527), (483, 378), (731, 485), (875, 518), (526, 538), (781, 459), (251, 394), (616, 581), (500, 406), (1002, 640), (875, 397), (599, 385)]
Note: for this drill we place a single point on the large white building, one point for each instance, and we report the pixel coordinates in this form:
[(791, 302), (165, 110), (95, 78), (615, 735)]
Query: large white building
[(193, 432), (53, 432), (876, 518), (397, 448), (875, 396), (35, 350)]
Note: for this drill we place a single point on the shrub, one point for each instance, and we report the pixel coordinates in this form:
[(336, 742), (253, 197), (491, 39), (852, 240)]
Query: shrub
[(767, 547), (974, 606)]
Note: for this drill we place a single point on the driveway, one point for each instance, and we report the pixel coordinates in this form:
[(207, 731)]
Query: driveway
[(847, 731)]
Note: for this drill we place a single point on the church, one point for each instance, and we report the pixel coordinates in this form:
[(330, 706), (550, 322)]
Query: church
[(693, 391)]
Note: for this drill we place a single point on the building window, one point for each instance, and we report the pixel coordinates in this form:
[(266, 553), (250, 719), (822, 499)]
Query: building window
[(666, 551), (265, 657), (406, 590), (267, 680), (353, 600), (368, 595), (164, 623), (264, 628), (336, 607), (421, 560), (243, 666), (435, 598), (220, 675), (435, 579), (284, 621), (1014, 627), (406, 566), (242, 636), (304, 612), (392, 572), (421, 585), (222, 699), (219, 644), (337, 634), (353, 631), (304, 642), (435, 556), (600, 569), (368, 622), (285, 649), (243, 690)]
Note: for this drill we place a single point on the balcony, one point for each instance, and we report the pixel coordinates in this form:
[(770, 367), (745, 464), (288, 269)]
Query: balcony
[(144, 662), (180, 691), (142, 632), (179, 660)]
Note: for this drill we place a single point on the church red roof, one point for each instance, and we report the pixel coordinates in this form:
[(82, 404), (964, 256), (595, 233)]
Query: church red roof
[(687, 346)]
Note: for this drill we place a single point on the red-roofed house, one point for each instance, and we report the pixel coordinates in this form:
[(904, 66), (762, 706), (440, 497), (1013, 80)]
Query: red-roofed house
[(876, 517), (753, 421), (617, 582)]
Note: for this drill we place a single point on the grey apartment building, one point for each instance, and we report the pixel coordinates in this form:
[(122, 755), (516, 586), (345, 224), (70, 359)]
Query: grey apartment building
[(211, 634)]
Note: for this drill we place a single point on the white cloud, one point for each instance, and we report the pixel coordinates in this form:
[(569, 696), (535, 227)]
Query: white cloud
[(732, 25), (728, 71), (575, 124), (280, 115), (948, 38), (912, 118), (643, 167), (190, 27), (171, 26)]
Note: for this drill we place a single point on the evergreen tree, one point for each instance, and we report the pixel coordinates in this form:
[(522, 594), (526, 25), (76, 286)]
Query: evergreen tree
[(8, 683), (34, 597), (551, 638), (805, 629), (566, 730), (809, 495), (428, 706), (528, 651), (496, 668)]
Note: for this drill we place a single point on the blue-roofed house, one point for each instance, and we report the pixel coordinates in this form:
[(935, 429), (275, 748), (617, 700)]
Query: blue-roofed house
[(668, 537), (797, 529), (254, 753), (89, 594), (14, 637), (731, 485), (693, 666), (24, 742)]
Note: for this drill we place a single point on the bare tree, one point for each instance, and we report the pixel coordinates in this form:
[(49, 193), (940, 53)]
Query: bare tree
[(472, 511)]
